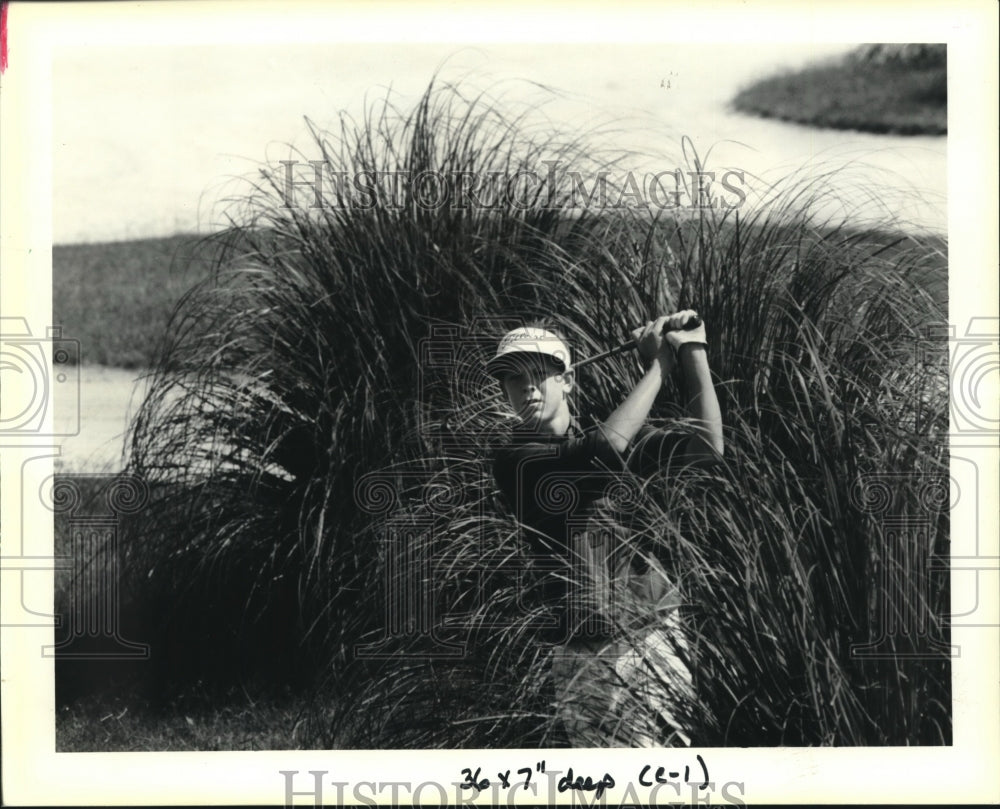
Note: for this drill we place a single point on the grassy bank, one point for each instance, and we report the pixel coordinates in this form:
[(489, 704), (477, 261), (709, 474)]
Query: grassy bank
[(321, 517), (116, 297), (871, 90)]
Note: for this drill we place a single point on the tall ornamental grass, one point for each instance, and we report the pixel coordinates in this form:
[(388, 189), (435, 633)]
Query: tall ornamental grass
[(317, 434)]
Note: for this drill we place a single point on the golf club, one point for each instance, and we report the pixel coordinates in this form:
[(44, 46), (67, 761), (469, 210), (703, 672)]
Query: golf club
[(693, 323)]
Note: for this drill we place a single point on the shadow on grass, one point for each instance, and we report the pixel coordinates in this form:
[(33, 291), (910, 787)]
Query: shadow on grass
[(116, 652)]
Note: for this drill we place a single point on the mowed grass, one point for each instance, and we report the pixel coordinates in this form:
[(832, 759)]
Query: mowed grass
[(890, 96), (116, 297), (121, 724)]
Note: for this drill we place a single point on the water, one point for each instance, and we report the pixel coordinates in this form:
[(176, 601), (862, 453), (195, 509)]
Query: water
[(107, 398), (148, 141)]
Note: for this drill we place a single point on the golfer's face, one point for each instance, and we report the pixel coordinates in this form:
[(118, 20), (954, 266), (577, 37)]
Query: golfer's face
[(536, 388)]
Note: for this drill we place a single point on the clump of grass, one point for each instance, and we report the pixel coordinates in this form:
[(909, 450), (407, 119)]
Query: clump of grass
[(298, 369), (835, 396), (835, 403), (872, 89), (318, 428)]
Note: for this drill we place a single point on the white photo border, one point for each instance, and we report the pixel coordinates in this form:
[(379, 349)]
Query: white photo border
[(33, 773)]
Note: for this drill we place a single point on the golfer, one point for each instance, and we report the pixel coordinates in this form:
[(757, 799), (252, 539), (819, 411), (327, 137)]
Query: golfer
[(558, 481)]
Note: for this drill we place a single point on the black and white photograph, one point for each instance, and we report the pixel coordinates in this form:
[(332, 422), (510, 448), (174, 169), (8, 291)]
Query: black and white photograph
[(404, 405)]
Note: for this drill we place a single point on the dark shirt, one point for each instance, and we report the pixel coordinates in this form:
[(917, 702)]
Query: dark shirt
[(572, 494)]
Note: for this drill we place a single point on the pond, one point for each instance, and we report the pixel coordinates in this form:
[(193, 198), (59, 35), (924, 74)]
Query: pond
[(105, 398), (147, 141)]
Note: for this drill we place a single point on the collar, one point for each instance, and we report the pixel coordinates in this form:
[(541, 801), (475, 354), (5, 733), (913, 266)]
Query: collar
[(525, 435)]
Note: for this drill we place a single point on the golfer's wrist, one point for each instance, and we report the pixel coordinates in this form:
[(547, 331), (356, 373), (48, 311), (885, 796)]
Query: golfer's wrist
[(658, 368), (653, 365), (693, 359), (692, 352)]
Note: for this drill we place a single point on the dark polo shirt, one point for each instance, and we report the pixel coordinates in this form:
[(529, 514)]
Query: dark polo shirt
[(571, 493)]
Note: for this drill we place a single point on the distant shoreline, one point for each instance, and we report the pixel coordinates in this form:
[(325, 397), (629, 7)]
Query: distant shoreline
[(884, 89), (114, 299)]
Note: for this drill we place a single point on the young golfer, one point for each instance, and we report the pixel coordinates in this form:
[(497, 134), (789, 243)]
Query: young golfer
[(559, 482)]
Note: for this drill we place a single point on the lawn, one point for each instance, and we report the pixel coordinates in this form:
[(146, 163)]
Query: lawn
[(118, 706), (117, 723), (116, 297)]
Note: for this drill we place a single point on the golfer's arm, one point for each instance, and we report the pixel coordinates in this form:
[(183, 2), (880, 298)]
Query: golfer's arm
[(621, 426), (706, 445)]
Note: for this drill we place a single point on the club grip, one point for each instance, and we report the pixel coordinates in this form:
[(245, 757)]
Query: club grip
[(691, 325)]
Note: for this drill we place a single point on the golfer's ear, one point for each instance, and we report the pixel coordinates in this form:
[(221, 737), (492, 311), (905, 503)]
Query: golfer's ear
[(568, 379)]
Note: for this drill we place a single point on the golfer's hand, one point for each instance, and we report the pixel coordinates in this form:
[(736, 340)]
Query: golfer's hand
[(677, 336), (652, 344)]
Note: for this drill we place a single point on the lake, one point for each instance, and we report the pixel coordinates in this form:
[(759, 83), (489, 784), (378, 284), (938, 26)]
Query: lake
[(149, 141)]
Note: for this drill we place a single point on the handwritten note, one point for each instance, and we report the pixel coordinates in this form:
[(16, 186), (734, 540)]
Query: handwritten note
[(649, 775)]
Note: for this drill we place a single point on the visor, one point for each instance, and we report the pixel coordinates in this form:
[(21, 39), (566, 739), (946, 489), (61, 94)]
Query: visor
[(524, 343)]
